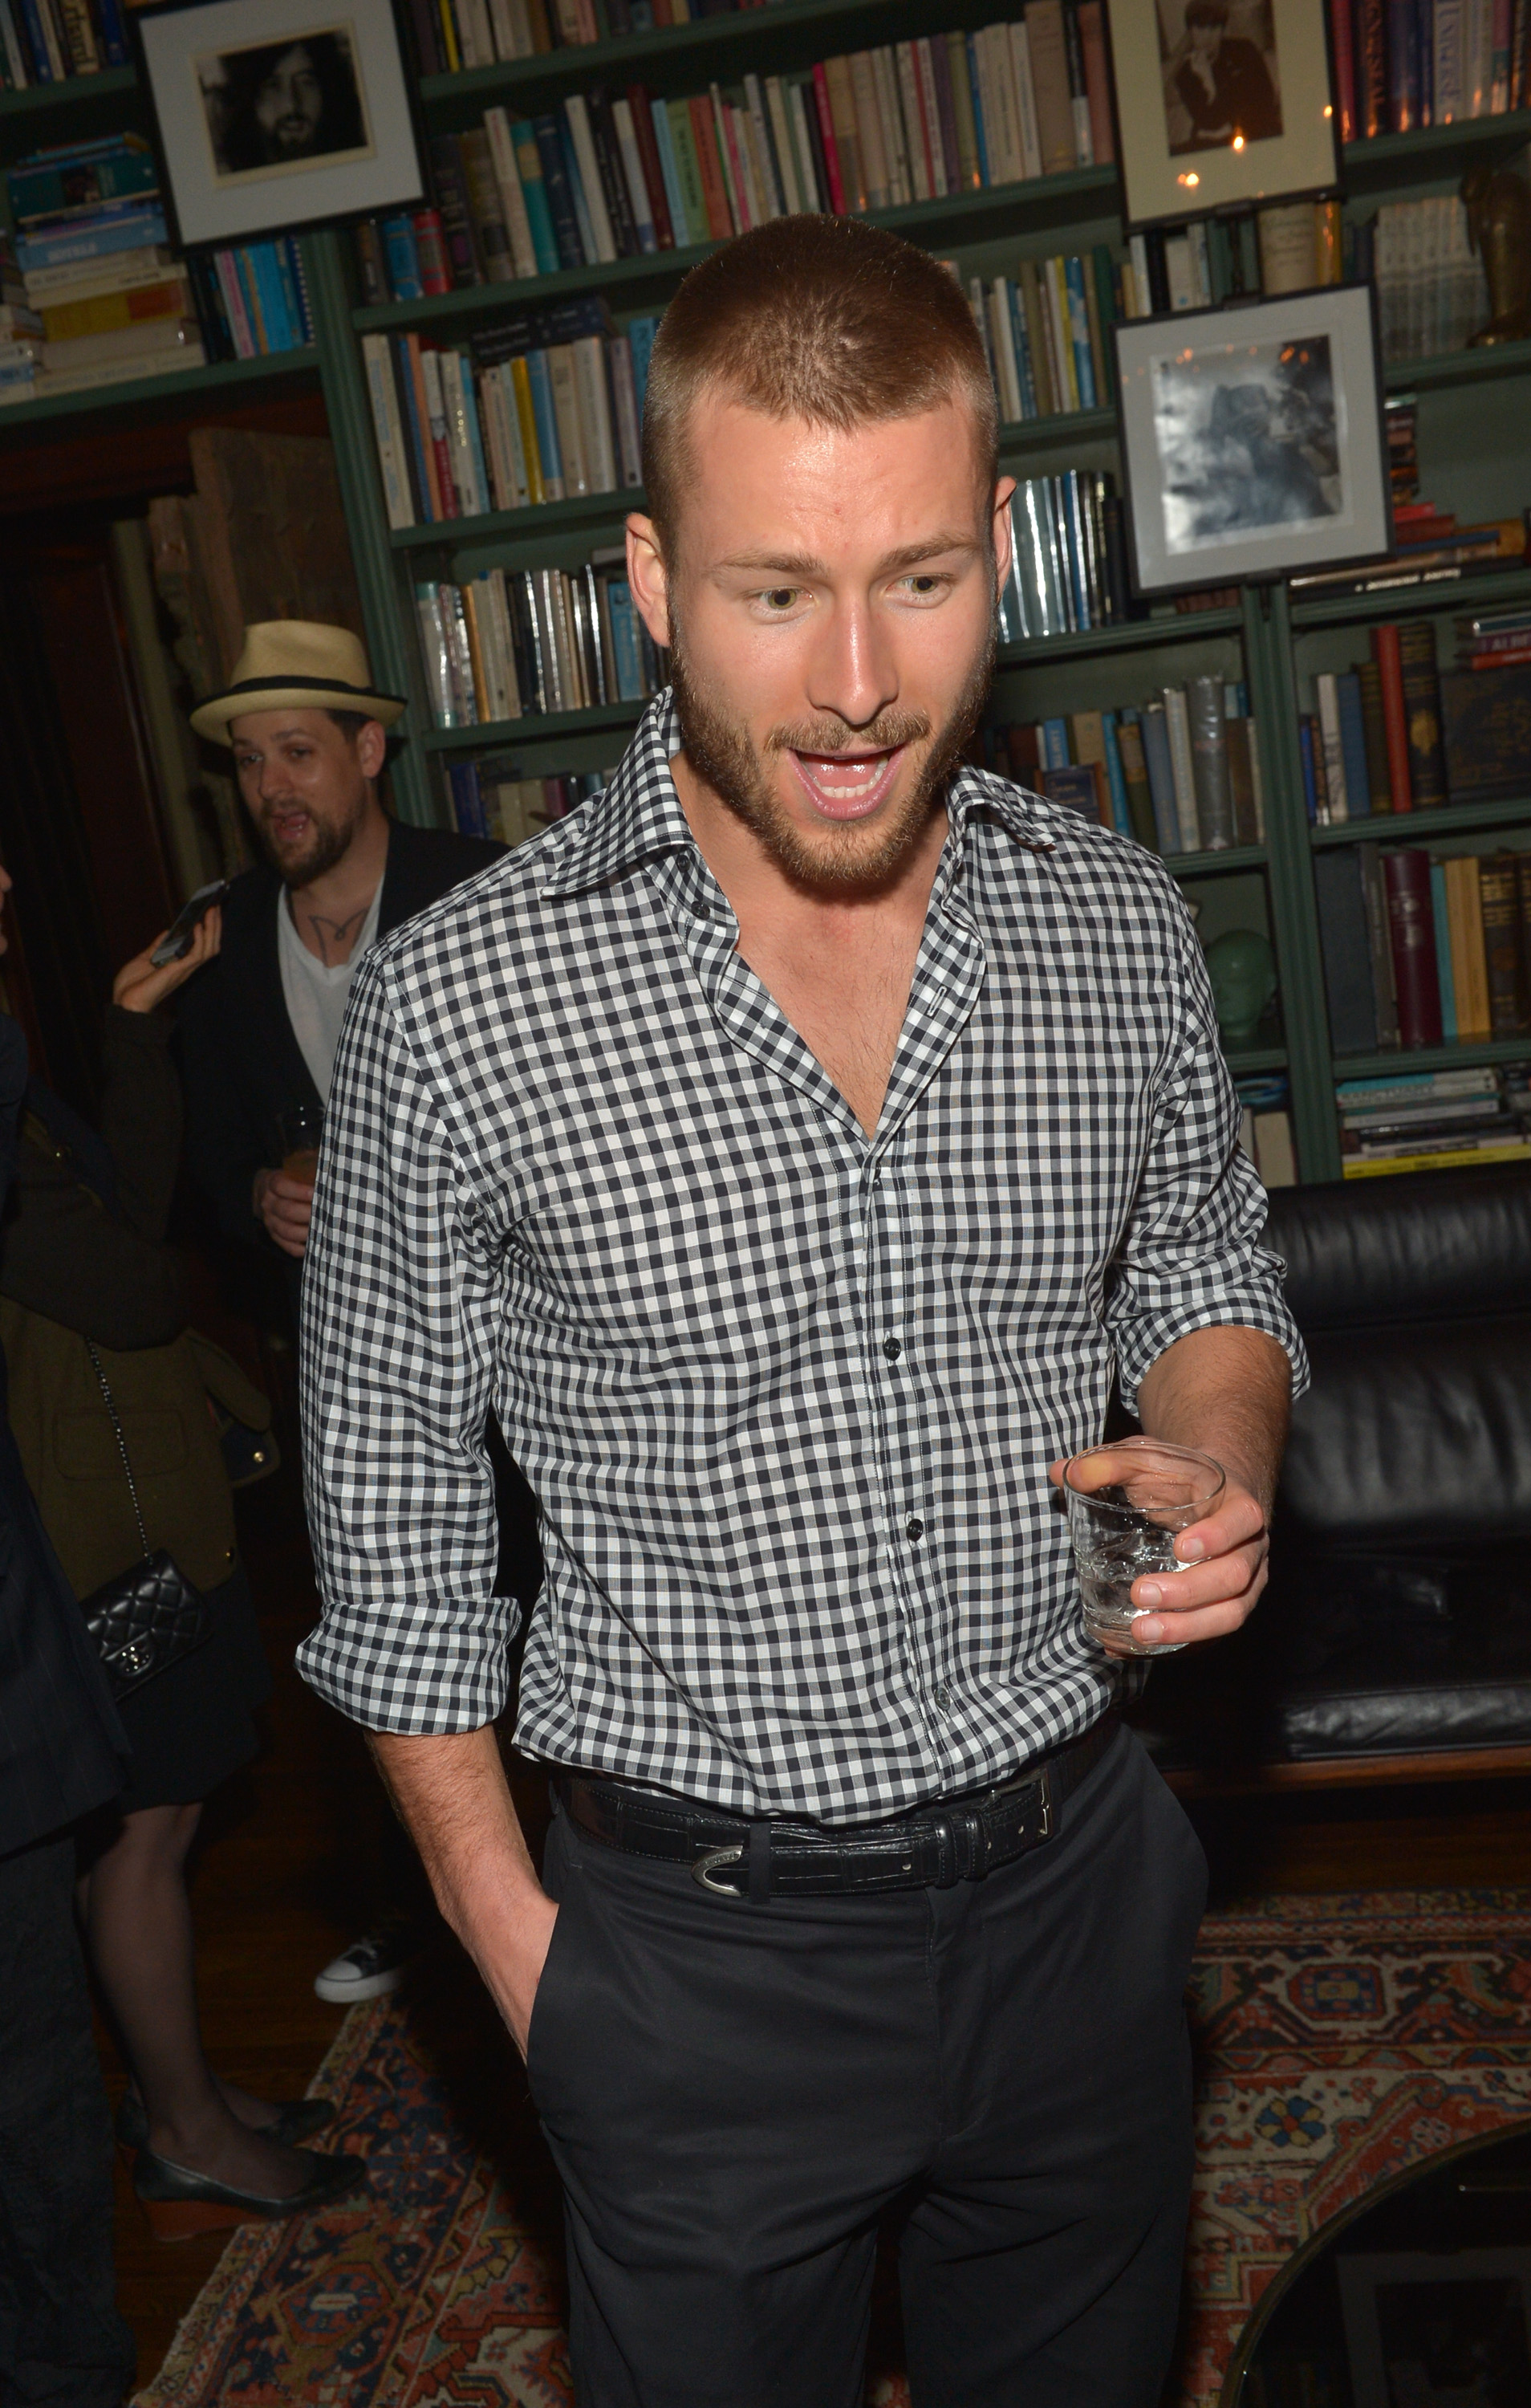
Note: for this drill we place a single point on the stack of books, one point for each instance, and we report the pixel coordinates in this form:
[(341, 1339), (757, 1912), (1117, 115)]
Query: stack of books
[(44, 41), (106, 298), (517, 641), (1431, 292), (1438, 1120), (1046, 333), (1178, 773), (545, 407), (1403, 64), (489, 797), (455, 33), (1495, 639), (1069, 558), (1424, 949), (616, 174), (1432, 550)]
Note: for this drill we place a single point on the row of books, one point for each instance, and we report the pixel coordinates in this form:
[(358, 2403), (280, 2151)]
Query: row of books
[(489, 797), (45, 41), (1404, 64), (1069, 569), (1178, 773), (614, 175), (545, 407), (1431, 291), (1451, 552), (1441, 1119), (1395, 734), (451, 34), (1046, 332), (515, 642), (1422, 949), (1495, 639)]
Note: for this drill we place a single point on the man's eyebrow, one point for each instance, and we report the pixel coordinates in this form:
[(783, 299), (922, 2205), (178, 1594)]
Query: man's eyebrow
[(802, 563)]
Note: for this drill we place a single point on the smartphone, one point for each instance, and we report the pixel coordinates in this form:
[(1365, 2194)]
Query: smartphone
[(176, 943)]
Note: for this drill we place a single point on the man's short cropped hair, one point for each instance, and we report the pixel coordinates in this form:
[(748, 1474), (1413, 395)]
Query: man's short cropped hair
[(820, 318)]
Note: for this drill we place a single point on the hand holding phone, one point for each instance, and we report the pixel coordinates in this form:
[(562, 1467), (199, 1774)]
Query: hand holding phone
[(176, 943), (139, 986)]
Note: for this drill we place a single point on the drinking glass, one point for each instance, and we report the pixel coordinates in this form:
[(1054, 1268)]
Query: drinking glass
[(300, 1128), (1127, 1504)]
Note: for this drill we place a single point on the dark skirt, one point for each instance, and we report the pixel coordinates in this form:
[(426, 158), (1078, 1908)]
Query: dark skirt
[(191, 1726)]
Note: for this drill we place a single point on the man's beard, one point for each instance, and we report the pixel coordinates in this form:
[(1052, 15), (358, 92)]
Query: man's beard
[(722, 753), (329, 843)]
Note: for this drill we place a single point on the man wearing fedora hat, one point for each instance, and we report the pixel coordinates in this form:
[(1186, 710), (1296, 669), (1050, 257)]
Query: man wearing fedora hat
[(260, 1023), (259, 1027)]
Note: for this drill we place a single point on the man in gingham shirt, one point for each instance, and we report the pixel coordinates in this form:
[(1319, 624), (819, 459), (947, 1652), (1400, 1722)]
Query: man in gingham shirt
[(789, 1152)]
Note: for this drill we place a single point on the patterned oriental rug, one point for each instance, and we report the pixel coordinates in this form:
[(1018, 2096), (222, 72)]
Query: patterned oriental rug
[(1339, 2040)]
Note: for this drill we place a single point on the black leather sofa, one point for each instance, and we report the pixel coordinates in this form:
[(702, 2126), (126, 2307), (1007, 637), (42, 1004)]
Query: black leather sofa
[(1395, 1637)]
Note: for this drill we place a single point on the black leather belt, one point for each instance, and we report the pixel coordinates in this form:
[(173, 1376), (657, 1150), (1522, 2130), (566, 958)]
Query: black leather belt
[(932, 1847)]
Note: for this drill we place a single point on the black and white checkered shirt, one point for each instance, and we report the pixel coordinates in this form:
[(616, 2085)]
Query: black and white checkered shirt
[(787, 1394)]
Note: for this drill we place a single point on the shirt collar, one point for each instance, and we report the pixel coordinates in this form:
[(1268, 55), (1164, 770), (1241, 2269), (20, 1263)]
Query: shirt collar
[(639, 815)]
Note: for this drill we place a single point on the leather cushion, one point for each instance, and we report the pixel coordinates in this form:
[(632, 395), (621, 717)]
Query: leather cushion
[(1414, 1438), (1387, 1683), (1430, 1245)]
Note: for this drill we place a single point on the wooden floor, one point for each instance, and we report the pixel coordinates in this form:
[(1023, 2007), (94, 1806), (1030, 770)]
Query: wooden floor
[(288, 1870)]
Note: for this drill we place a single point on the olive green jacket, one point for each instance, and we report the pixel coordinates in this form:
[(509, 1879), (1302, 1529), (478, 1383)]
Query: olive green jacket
[(72, 1271)]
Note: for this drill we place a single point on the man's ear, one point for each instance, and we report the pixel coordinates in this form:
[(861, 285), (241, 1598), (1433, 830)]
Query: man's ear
[(1004, 536), (648, 578), (372, 747)]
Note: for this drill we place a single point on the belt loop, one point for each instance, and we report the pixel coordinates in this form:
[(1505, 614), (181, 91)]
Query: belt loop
[(760, 1864)]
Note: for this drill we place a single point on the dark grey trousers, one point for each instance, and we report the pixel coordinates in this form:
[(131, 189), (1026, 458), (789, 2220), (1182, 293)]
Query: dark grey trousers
[(63, 2343), (735, 2095)]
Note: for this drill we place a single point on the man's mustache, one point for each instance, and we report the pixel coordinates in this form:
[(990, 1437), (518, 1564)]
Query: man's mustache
[(885, 733)]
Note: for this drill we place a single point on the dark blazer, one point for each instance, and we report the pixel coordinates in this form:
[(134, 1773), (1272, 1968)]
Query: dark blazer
[(241, 1066), (61, 1747)]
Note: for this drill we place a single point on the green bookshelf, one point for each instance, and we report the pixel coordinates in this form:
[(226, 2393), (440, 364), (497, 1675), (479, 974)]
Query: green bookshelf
[(1266, 639)]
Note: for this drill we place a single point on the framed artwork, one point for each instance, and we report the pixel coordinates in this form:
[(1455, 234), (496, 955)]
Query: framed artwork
[(277, 115), (1233, 105), (1423, 2330), (1252, 439)]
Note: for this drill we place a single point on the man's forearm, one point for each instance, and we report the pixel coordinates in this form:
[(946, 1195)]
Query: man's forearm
[(453, 1795), (1227, 1392)]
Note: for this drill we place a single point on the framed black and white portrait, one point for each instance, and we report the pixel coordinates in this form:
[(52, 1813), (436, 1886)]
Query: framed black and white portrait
[(1448, 2330), (1230, 105), (274, 115), (1253, 440)]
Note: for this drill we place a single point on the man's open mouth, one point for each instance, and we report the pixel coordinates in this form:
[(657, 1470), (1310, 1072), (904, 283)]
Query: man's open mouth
[(848, 785)]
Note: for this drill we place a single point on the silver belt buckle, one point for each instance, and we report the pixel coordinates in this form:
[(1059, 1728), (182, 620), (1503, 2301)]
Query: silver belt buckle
[(705, 1867)]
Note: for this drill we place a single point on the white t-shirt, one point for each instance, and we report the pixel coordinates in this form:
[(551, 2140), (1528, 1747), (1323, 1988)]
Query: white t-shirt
[(316, 991)]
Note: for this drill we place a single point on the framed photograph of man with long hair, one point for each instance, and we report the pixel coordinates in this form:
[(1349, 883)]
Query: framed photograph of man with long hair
[(1232, 105), (273, 115)]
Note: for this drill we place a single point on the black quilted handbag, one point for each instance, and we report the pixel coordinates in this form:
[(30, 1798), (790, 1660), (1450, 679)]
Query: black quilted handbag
[(147, 1618)]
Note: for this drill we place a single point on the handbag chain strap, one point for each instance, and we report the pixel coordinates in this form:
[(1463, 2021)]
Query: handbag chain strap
[(122, 1443)]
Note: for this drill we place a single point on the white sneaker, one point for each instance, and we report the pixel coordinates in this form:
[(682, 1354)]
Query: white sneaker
[(371, 1968)]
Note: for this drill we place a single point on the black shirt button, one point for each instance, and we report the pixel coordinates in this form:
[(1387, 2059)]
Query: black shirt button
[(892, 1348), (914, 1527)]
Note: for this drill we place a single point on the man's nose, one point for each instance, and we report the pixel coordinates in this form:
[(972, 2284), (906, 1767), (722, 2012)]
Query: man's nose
[(852, 670)]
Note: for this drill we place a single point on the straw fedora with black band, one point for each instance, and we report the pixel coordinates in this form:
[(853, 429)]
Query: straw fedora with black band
[(296, 664)]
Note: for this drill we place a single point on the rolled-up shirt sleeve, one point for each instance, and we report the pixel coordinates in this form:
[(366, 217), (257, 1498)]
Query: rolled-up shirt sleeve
[(1191, 1257), (397, 1354)]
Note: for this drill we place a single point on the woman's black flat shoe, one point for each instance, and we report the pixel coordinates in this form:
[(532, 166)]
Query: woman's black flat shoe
[(296, 2121), (179, 2202)]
